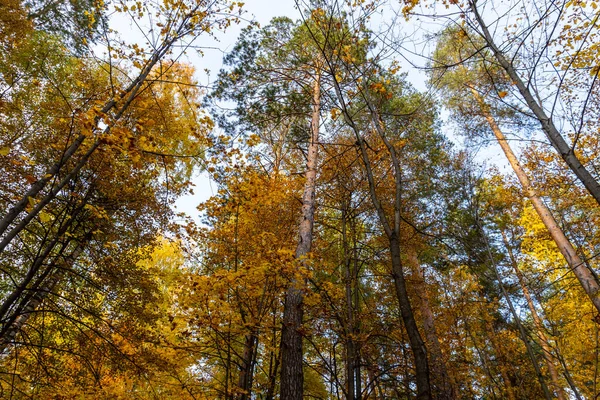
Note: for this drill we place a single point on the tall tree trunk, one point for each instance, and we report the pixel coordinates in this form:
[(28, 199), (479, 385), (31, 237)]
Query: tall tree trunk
[(510, 391), (539, 326), (274, 359), (352, 386), (443, 382), (127, 96), (373, 385), (247, 366), (565, 151), (292, 376), (583, 274), (356, 325), (392, 232), (522, 332), (416, 341)]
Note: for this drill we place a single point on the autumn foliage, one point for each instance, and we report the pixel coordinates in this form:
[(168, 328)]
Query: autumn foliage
[(356, 243)]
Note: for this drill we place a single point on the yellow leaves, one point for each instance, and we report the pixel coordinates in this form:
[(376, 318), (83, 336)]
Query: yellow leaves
[(45, 217), (502, 94), (253, 140), (378, 87), (4, 151), (30, 203), (335, 112), (96, 211), (394, 68)]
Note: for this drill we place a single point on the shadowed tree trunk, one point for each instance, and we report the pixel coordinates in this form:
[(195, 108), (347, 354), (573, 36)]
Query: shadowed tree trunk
[(442, 380)]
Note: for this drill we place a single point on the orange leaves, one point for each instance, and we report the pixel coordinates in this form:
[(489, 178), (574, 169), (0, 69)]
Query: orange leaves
[(335, 112)]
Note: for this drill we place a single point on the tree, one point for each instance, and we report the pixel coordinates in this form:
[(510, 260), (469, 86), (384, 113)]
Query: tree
[(542, 95), (454, 50)]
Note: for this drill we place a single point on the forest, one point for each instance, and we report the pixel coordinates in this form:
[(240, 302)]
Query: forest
[(404, 195)]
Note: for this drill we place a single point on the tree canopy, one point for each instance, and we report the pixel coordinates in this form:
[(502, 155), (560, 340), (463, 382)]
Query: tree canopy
[(362, 239)]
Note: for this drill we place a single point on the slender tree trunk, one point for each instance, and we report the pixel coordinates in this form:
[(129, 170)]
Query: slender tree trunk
[(292, 377), (127, 97), (510, 391), (539, 326), (350, 327), (392, 231), (583, 274), (37, 263), (444, 382), (566, 152), (357, 327), (373, 383), (273, 366), (522, 332), (416, 342)]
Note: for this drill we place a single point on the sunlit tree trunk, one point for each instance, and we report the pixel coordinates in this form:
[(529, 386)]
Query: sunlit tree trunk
[(292, 377), (539, 326), (583, 274), (565, 151)]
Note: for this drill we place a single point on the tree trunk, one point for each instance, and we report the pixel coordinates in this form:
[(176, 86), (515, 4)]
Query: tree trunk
[(247, 366), (392, 232), (292, 377), (274, 359), (416, 342), (539, 326), (127, 96), (554, 136), (442, 381), (17, 323), (583, 274), (352, 392), (510, 391), (522, 332)]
